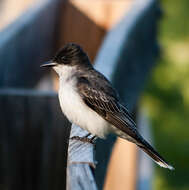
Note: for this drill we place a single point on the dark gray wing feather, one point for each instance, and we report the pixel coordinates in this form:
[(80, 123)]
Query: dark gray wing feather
[(102, 98)]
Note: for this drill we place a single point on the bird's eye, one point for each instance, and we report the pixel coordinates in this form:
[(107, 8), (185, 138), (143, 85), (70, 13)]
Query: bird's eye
[(64, 59)]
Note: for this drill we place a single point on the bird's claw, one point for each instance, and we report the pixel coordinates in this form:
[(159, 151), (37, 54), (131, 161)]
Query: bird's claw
[(84, 139)]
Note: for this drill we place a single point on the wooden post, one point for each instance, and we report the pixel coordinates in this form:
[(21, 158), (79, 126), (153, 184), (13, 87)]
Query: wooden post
[(80, 163)]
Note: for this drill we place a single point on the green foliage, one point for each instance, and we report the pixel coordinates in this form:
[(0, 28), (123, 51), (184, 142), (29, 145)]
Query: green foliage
[(176, 14), (167, 96)]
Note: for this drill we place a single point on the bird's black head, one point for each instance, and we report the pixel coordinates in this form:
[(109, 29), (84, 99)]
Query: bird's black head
[(71, 54)]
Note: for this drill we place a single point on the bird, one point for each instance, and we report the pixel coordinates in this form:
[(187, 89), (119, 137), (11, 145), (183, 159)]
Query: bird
[(88, 99)]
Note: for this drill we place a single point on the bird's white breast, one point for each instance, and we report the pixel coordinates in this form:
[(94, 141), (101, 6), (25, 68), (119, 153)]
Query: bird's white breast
[(77, 111)]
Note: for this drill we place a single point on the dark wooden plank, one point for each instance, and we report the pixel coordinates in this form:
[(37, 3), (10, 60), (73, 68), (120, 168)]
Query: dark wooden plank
[(34, 142)]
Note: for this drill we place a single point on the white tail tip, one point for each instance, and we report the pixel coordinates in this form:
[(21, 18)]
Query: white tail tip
[(164, 165)]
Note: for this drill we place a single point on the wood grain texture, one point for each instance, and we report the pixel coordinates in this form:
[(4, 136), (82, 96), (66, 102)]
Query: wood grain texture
[(80, 162), (33, 140)]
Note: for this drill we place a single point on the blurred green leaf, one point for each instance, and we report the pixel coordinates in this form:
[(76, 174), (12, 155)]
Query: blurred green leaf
[(167, 96)]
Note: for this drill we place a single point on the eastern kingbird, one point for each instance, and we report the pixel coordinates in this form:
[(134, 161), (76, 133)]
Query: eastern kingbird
[(88, 100)]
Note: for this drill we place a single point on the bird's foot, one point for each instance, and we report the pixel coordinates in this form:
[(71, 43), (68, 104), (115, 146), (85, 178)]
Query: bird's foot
[(85, 139)]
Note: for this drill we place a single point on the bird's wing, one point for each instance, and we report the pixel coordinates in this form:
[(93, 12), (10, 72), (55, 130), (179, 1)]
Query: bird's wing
[(102, 98)]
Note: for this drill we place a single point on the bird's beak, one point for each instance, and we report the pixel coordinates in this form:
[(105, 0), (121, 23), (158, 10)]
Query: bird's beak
[(48, 64)]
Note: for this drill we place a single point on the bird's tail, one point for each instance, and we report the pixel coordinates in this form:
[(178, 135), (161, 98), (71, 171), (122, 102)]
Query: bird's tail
[(146, 147)]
